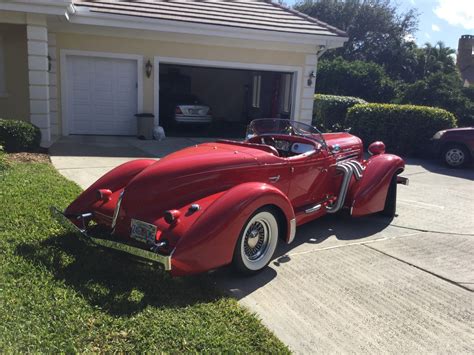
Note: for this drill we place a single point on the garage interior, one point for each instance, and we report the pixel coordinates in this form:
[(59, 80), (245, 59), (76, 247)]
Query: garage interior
[(234, 96)]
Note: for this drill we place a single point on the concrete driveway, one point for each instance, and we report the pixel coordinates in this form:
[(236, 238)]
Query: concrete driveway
[(348, 285), (84, 159)]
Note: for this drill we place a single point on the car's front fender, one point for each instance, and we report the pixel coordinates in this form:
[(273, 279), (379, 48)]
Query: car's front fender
[(209, 242), (369, 194)]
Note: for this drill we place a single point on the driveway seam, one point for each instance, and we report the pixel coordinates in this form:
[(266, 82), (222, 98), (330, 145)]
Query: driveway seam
[(353, 244), (419, 268)]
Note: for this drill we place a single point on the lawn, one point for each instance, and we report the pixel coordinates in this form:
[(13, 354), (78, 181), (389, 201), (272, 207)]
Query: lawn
[(57, 294)]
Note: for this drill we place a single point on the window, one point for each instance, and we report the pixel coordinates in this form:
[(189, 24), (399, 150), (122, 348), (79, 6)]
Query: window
[(257, 85), (3, 87)]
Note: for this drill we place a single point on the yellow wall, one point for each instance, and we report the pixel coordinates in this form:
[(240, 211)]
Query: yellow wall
[(16, 104), (149, 48)]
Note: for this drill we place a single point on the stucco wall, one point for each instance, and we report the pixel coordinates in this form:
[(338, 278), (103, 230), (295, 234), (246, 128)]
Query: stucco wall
[(149, 48), (16, 104)]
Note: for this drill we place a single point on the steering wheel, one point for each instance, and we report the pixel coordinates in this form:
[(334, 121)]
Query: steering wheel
[(269, 141)]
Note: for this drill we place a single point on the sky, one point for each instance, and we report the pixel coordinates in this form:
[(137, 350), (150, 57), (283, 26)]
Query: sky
[(439, 20)]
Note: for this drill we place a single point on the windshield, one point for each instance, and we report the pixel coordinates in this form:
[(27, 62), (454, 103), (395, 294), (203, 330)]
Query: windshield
[(272, 126)]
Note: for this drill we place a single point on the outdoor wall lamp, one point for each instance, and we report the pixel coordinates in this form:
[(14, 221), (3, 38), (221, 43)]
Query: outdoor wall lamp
[(148, 68), (311, 77)]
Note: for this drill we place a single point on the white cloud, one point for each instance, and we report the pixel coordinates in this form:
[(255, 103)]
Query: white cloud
[(456, 13), (435, 28), (413, 2), (427, 35)]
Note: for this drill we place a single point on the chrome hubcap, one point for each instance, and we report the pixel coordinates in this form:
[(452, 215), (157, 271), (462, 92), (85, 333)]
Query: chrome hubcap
[(455, 156), (256, 240)]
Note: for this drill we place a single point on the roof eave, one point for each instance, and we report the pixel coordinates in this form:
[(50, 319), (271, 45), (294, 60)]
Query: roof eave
[(45, 7), (83, 16)]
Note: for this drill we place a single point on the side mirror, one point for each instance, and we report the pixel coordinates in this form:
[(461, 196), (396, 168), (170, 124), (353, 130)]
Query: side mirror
[(376, 148)]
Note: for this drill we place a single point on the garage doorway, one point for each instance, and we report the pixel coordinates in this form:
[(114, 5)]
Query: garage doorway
[(223, 100)]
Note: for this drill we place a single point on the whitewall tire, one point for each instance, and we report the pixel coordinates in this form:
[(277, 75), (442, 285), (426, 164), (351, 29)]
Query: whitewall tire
[(257, 242)]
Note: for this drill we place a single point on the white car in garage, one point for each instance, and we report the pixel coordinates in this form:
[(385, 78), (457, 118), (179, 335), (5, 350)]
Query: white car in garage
[(189, 109)]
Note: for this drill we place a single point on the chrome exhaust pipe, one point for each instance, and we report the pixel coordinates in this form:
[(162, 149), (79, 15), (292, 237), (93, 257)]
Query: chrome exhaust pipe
[(348, 169), (347, 172)]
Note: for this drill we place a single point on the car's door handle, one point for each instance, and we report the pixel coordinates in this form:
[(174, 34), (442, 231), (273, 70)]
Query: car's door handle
[(274, 178)]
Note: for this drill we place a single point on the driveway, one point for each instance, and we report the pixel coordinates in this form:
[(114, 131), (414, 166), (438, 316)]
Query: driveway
[(84, 159), (348, 285)]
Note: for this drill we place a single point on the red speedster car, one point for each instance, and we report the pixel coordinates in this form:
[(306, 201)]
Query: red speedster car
[(231, 202)]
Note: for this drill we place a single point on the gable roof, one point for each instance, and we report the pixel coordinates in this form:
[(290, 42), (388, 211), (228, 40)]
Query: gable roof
[(245, 14)]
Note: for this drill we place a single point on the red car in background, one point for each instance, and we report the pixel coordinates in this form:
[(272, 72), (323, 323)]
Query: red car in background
[(232, 202), (455, 147)]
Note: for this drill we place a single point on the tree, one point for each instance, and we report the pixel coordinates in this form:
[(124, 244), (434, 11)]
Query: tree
[(377, 30), (434, 59), (442, 90), (361, 79)]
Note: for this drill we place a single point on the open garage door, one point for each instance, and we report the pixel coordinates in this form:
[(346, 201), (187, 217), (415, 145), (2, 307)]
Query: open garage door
[(218, 102)]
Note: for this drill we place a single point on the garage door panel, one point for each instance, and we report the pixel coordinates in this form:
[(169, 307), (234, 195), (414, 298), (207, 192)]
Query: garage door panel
[(102, 95)]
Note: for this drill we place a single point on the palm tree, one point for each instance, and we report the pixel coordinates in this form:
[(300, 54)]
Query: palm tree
[(437, 58)]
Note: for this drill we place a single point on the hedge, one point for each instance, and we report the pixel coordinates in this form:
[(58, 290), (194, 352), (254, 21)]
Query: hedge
[(405, 129), (329, 111), (3, 159), (19, 136)]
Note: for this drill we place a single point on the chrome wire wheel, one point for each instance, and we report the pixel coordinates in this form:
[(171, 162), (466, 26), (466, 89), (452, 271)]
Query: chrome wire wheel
[(455, 156), (258, 241)]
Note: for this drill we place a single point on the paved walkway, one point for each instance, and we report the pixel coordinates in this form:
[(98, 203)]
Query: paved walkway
[(349, 285)]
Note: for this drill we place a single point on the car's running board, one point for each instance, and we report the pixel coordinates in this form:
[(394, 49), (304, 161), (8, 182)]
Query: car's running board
[(313, 209)]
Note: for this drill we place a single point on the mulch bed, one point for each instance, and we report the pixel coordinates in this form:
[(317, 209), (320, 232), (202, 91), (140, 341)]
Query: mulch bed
[(25, 157)]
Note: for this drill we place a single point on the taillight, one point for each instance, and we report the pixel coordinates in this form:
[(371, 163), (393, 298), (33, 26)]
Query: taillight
[(171, 216), (178, 111)]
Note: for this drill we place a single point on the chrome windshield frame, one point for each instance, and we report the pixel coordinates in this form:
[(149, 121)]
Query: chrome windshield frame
[(280, 125)]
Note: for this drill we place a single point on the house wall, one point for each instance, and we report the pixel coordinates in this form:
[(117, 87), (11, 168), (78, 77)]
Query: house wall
[(15, 104), (149, 48)]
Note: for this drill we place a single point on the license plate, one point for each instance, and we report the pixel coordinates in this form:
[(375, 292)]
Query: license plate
[(143, 232)]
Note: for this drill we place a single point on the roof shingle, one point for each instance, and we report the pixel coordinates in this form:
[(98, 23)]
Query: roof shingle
[(246, 14)]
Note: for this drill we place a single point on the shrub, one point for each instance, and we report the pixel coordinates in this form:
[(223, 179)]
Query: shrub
[(3, 159), (329, 112), (18, 136), (366, 80), (405, 129)]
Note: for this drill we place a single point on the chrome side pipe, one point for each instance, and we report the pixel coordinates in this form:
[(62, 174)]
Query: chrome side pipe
[(348, 169)]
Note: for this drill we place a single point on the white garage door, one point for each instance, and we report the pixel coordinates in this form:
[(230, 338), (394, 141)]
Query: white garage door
[(102, 95)]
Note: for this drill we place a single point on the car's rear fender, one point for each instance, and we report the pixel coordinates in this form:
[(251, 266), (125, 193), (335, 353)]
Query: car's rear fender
[(115, 180), (209, 242), (369, 194)]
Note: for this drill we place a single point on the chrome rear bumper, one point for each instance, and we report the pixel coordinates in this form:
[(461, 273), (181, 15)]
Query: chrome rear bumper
[(163, 260)]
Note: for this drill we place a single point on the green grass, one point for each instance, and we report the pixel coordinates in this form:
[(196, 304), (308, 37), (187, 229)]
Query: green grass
[(57, 294)]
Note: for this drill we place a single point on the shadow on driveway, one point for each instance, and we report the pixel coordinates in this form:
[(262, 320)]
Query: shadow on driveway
[(437, 167), (341, 226)]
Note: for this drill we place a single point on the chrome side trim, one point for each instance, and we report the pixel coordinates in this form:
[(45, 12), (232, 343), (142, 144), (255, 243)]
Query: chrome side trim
[(292, 230), (315, 208), (164, 260)]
